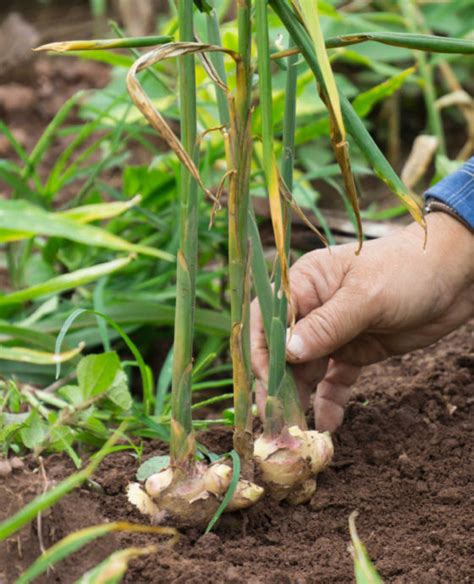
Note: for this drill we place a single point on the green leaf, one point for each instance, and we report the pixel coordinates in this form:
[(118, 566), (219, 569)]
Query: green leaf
[(22, 220), (49, 498), (145, 371), (152, 466), (34, 430), (100, 44), (111, 570), (364, 570), (107, 57), (65, 281), (164, 382), (203, 5), (22, 355), (96, 373), (364, 102), (100, 211), (230, 491), (72, 394), (119, 393), (77, 540)]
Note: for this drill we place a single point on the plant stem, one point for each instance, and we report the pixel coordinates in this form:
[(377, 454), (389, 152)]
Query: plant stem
[(182, 443), (217, 59), (280, 382), (435, 126), (239, 272), (278, 327)]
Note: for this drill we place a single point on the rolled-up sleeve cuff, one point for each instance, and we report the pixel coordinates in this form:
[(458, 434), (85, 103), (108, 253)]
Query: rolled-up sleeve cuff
[(456, 192)]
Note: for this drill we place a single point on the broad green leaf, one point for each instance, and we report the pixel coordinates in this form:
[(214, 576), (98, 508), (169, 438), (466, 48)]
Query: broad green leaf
[(96, 373), (364, 102), (119, 392), (72, 394), (364, 570), (21, 220), (34, 431), (111, 570), (65, 282), (75, 541), (145, 371), (24, 355), (152, 466), (60, 438)]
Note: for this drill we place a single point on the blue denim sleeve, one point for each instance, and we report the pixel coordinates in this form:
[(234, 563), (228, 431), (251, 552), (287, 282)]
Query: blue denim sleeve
[(456, 191)]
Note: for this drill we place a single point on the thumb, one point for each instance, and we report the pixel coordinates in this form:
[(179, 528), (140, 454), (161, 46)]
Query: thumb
[(328, 327)]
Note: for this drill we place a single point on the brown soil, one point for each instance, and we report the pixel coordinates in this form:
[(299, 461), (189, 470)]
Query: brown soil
[(403, 460)]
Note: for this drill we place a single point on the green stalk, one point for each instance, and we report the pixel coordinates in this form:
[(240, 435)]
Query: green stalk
[(182, 447), (435, 126), (239, 157), (238, 152), (217, 59), (280, 383), (277, 329)]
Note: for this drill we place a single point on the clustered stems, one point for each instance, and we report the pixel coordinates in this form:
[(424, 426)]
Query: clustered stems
[(280, 383), (182, 443), (240, 150)]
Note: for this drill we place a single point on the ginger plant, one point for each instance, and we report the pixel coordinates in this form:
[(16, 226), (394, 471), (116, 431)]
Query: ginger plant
[(287, 453), (189, 492), (287, 456)]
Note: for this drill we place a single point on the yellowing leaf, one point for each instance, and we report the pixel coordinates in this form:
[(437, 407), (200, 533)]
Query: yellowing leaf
[(23, 355), (308, 10)]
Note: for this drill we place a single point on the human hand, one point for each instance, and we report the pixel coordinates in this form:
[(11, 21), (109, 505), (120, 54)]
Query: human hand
[(352, 311)]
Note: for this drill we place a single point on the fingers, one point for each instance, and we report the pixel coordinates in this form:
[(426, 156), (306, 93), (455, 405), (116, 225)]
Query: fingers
[(307, 377), (329, 327), (258, 343), (260, 398), (333, 394)]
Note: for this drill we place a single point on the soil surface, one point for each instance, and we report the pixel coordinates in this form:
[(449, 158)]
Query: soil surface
[(403, 460)]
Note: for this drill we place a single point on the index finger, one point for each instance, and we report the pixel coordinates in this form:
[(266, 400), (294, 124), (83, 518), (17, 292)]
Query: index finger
[(258, 343)]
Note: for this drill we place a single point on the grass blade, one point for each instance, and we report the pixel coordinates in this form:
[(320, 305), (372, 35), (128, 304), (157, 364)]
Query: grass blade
[(120, 43), (365, 573), (23, 355), (49, 498), (65, 282), (75, 541), (230, 491), (112, 570), (21, 220), (99, 211), (421, 42)]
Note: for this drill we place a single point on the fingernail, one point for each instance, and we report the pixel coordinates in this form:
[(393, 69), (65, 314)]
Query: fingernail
[(295, 346)]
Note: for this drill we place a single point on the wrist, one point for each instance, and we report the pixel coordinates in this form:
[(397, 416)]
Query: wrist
[(450, 244)]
